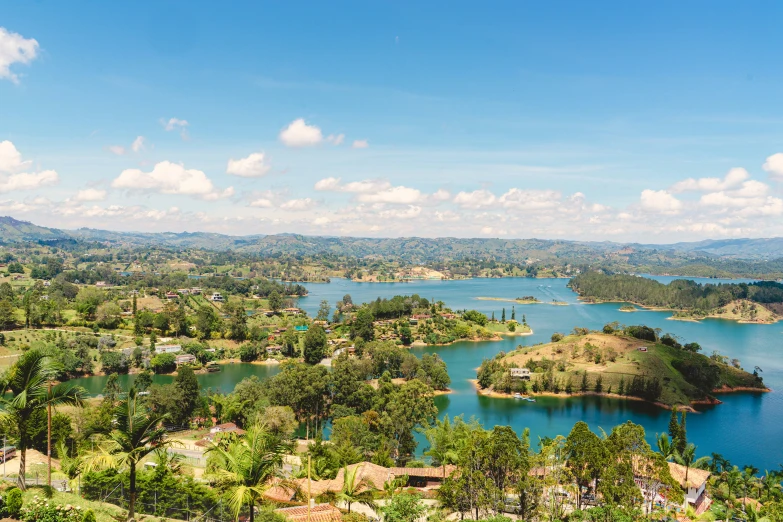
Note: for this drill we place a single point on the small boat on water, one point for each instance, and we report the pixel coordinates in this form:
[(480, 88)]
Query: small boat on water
[(213, 367), (530, 399), (517, 396)]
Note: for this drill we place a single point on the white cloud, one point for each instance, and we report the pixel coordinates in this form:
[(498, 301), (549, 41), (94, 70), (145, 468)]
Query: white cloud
[(396, 195), (476, 199), (10, 177), (300, 134), (441, 195), (138, 144), (253, 166), (328, 184), (660, 201), (297, 205), (25, 181), (171, 178), (360, 144), (262, 203), (119, 150), (90, 194), (174, 124), (336, 140), (14, 48), (732, 179), (11, 159), (411, 212), (774, 165), (530, 199)]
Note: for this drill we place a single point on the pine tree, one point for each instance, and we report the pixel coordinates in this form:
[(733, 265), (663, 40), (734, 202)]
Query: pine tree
[(674, 427), (682, 441), (513, 314), (524, 319), (503, 316), (493, 316), (584, 381), (621, 388)]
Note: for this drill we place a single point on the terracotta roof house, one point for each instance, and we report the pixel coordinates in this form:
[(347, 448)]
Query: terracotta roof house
[(317, 513), (695, 487)]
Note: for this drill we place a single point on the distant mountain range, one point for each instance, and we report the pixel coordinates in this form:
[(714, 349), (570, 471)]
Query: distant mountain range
[(408, 249)]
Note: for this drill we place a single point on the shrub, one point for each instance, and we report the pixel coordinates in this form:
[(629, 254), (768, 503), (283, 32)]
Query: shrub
[(40, 510), (163, 363), (13, 503), (556, 337), (89, 516)]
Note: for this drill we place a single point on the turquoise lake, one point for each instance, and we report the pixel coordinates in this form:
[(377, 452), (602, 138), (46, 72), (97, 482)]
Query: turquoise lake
[(746, 429)]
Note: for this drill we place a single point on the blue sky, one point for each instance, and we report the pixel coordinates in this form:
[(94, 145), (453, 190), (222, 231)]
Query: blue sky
[(622, 121)]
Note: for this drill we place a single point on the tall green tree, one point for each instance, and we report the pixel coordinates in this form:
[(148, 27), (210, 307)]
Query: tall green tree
[(275, 301), (245, 467), (586, 457), (136, 432), (28, 382), (323, 311), (314, 345)]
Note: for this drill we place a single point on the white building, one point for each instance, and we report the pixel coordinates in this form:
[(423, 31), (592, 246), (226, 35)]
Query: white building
[(216, 297), (520, 373), (168, 348)]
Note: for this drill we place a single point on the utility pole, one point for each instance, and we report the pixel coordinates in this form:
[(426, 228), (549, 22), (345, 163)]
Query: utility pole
[(49, 436), (308, 488)]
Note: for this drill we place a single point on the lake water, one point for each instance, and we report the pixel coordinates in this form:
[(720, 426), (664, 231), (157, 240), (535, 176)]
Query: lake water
[(746, 428)]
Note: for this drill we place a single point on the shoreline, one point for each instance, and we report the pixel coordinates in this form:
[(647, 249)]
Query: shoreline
[(562, 395), (521, 301), (590, 301)]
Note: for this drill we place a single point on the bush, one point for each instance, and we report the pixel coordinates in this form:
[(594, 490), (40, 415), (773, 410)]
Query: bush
[(163, 363), (89, 516), (556, 337), (13, 503), (40, 510)]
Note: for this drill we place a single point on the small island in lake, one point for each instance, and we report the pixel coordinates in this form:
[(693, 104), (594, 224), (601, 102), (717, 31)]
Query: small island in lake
[(526, 300), (633, 363), (628, 308)]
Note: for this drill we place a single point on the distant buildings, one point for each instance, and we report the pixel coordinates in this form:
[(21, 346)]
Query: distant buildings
[(217, 297)]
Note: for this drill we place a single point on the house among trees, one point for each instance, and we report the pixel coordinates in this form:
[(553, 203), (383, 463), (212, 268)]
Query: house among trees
[(695, 487), (520, 373), (168, 348), (217, 297), (172, 295), (185, 358)]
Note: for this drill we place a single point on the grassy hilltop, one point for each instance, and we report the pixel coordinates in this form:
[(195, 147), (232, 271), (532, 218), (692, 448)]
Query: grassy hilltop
[(618, 364)]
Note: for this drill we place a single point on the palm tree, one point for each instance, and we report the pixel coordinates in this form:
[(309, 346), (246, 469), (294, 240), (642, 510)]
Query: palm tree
[(137, 432), (748, 478), (688, 458), (771, 484), (665, 447), (717, 463), (355, 490), (733, 479), (28, 380), (247, 466)]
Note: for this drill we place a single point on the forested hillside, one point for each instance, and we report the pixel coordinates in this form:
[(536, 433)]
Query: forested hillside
[(680, 294)]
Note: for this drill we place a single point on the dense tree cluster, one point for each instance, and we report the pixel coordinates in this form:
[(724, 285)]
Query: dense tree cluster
[(679, 294)]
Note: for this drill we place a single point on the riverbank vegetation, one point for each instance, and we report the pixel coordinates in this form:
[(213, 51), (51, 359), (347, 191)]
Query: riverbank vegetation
[(749, 302), (634, 361)]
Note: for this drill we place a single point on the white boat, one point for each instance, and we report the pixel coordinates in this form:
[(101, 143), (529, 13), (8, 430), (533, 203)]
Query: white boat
[(517, 396)]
